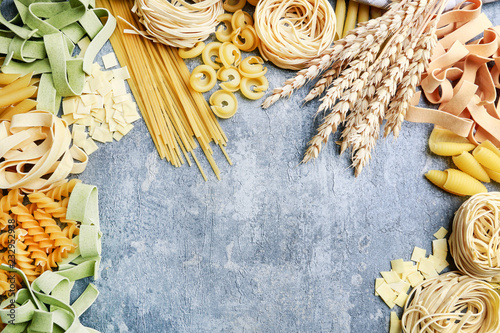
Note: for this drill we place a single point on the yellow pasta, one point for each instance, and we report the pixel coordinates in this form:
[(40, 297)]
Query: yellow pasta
[(487, 158), (63, 191), (490, 146), (203, 78), (211, 50), (363, 13), (375, 12), (456, 182), (224, 31), (192, 52), (8, 78), (229, 54), (241, 19), (224, 103), (230, 77), (234, 5), (245, 38), (468, 164), (340, 13), (493, 174), (446, 143), (252, 67), (351, 18), (253, 2), (254, 88)]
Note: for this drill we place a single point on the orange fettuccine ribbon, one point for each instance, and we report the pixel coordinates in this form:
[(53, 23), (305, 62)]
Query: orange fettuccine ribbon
[(463, 76)]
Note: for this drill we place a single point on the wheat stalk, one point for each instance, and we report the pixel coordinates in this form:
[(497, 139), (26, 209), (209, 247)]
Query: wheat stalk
[(356, 41), (322, 84)]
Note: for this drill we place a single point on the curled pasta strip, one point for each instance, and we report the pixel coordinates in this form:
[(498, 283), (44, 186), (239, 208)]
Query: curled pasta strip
[(234, 5), (245, 38), (192, 52), (475, 238), (252, 67), (225, 30), (224, 104), (211, 50), (254, 88), (203, 78), (293, 32), (452, 303), (231, 78), (229, 55), (241, 19)]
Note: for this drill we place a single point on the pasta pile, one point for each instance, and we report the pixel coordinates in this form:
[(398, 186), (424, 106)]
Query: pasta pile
[(475, 240), (178, 23), (41, 242), (16, 94), (177, 117), (483, 165), (36, 153), (293, 32), (452, 303)]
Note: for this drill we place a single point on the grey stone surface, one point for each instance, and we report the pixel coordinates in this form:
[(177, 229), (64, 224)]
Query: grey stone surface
[(272, 247)]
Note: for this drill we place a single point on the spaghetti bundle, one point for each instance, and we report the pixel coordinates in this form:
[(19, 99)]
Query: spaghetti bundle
[(293, 32), (175, 114), (475, 241), (177, 22), (452, 303)]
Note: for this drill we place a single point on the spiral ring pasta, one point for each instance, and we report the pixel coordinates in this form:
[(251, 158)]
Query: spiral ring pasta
[(229, 54), (259, 85), (212, 49), (452, 303), (224, 103), (231, 78), (192, 52), (245, 38), (252, 67), (178, 23), (225, 30), (475, 239), (293, 32), (203, 78), (240, 19), (234, 5)]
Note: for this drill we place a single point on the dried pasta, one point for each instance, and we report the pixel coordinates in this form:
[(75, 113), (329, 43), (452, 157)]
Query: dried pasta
[(487, 158), (211, 50), (468, 164), (224, 31), (254, 88), (293, 32), (475, 239), (192, 52), (234, 5), (203, 78), (351, 17), (245, 38), (229, 55), (224, 104), (340, 13), (252, 67), (455, 182), (452, 302), (446, 143), (231, 78)]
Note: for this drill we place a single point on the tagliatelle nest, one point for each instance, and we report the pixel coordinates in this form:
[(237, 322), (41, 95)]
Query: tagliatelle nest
[(178, 23), (293, 32), (475, 241)]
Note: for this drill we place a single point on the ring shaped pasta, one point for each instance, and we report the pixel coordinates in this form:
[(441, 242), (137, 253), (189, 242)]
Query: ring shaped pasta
[(224, 104), (245, 38), (241, 19), (211, 50), (452, 303), (225, 30), (203, 78), (252, 67), (179, 23), (234, 5), (293, 32), (475, 238), (192, 52), (259, 85), (231, 78), (229, 55), (36, 153)]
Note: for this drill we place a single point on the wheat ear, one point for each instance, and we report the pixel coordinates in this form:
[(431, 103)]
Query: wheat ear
[(322, 84), (356, 41)]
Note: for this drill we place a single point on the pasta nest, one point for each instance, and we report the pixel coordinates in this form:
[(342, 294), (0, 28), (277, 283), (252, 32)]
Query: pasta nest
[(293, 32), (452, 302), (475, 240), (178, 23)]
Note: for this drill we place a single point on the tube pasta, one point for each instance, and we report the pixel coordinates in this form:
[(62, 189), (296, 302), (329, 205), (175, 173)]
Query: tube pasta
[(224, 104), (211, 50), (192, 52), (452, 302), (455, 182), (351, 17), (231, 78), (363, 13), (259, 85), (487, 144), (251, 67), (375, 12), (234, 5), (293, 32), (229, 55), (241, 19), (446, 143), (487, 158), (245, 38), (475, 238), (340, 12), (224, 31), (468, 164), (203, 78)]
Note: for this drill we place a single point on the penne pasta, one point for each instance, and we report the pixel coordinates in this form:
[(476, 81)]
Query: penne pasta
[(351, 18), (340, 13)]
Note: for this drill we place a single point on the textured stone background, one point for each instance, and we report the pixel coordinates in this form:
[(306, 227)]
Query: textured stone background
[(272, 247)]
